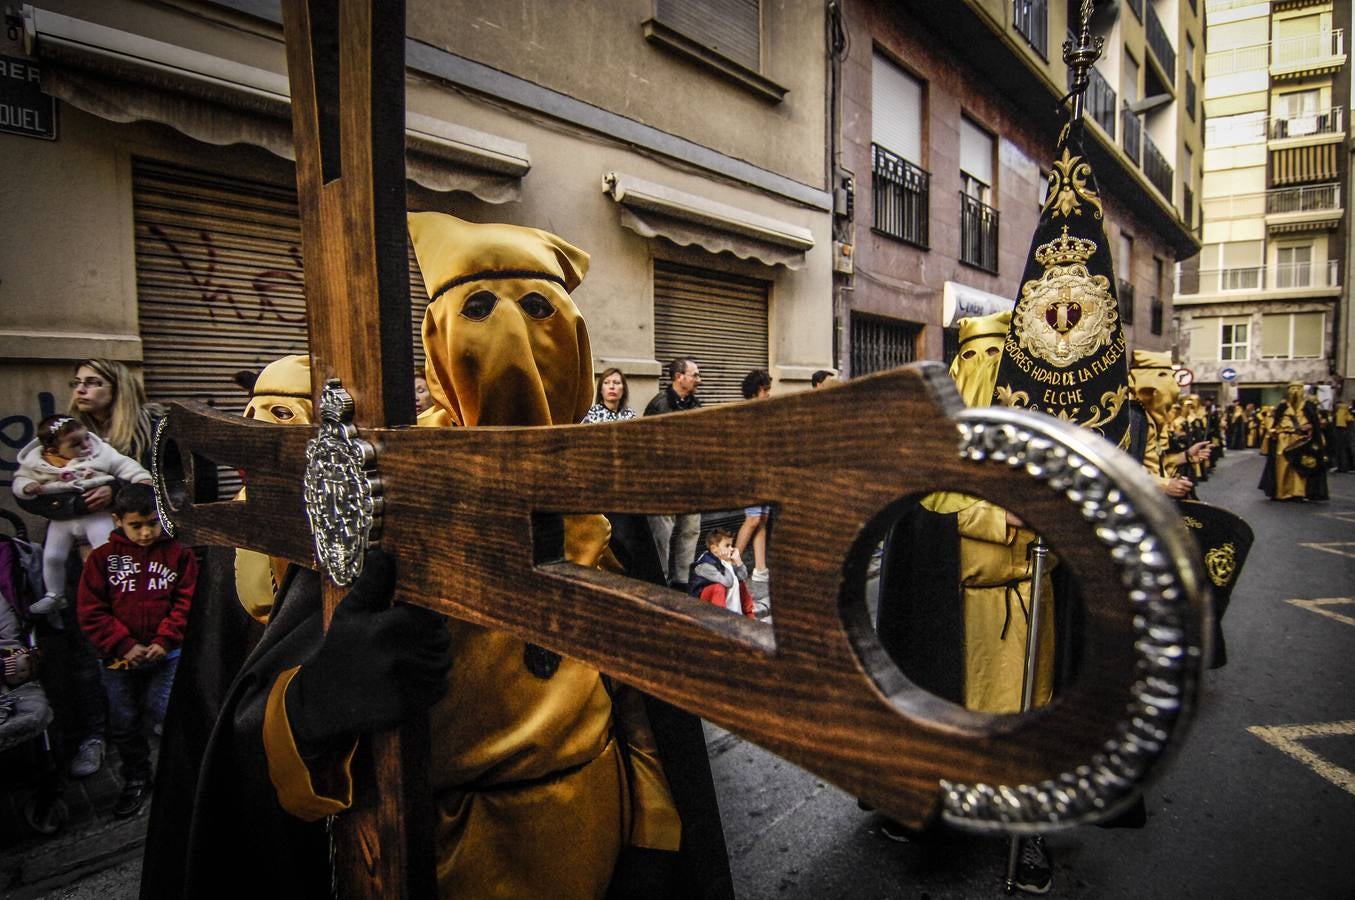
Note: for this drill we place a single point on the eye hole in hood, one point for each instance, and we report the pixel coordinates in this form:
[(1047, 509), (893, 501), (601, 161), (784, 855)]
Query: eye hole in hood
[(536, 306), (479, 305)]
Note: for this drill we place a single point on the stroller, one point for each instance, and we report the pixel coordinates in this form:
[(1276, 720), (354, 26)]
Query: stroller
[(25, 713)]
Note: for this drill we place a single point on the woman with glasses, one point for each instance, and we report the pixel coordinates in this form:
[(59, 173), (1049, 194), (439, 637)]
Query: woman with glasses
[(111, 402)]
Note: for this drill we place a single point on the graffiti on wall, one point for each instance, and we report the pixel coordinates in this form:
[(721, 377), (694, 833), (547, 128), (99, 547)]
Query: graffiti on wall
[(220, 297), (16, 430)]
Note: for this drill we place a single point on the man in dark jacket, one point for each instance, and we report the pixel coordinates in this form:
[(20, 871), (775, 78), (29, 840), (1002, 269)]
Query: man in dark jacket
[(684, 377), (675, 536)]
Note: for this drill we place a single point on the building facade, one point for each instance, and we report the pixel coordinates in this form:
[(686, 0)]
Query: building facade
[(949, 116), (153, 219), (1265, 303)]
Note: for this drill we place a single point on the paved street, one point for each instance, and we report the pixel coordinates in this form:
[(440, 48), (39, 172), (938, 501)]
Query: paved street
[(1235, 817)]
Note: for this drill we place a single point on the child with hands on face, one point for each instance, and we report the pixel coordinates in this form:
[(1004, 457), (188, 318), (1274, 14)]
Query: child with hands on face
[(66, 457), (719, 576)]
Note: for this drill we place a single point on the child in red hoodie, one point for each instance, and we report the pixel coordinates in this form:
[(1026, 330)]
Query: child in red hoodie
[(134, 597)]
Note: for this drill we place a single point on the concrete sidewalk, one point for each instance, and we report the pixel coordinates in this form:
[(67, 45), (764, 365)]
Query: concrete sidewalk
[(33, 865)]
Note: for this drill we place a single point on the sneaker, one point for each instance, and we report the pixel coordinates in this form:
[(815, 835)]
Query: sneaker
[(1034, 869), (131, 799), (761, 590), (49, 603), (761, 575), (89, 756)]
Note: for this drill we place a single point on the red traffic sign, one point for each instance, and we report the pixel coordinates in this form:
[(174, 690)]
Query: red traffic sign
[(1184, 377)]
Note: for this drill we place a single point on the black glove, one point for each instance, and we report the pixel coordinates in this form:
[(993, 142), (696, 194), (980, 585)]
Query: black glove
[(377, 665)]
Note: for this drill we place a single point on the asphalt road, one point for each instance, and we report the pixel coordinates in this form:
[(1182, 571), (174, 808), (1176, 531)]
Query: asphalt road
[(1234, 816)]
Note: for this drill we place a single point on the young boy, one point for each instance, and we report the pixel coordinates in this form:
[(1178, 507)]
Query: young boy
[(720, 577), (134, 597)]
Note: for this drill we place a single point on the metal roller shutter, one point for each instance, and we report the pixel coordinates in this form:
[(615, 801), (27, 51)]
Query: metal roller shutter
[(732, 28), (720, 320), (219, 282)]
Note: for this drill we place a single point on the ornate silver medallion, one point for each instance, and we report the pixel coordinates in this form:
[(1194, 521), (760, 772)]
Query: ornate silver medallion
[(342, 490), (1075, 463)]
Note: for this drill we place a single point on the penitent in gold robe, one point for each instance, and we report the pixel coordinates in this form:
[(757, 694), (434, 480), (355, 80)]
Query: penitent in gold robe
[(995, 573), (532, 795), (1286, 432)]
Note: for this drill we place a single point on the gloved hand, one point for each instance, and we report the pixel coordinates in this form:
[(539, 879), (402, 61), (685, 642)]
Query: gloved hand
[(377, 665)]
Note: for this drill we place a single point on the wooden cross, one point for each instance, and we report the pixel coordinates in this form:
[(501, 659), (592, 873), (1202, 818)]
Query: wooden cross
[(838, 463)]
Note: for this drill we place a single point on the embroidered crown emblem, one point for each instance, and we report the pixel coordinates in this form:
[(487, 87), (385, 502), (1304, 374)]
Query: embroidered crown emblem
[(1065, 251)]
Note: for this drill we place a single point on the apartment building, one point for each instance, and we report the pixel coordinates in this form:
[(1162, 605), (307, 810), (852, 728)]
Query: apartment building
[(950, 115), (151, 208), (1265, 303)]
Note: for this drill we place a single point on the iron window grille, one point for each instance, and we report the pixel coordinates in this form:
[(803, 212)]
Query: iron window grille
[(901, 194), (880, 344), (978, 234), (1126, 292)]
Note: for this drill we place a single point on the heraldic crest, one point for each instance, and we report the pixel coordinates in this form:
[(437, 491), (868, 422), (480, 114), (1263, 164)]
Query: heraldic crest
[(1067, 313)]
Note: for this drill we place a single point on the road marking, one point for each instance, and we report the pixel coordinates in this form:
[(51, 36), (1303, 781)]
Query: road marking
[(1286, 738), (1347, 515), (1332, 547), (1317, 604)]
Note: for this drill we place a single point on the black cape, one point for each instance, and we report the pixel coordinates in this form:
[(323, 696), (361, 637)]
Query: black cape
[(225, 833)]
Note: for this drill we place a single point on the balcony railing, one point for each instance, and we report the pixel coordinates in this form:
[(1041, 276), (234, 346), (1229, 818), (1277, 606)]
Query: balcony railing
[(901, 196), (1239, 59), (1126, 293), (1155, 166), (1100, 102), (1190, 96), (1309, 198), (1131, 134), (1308, 49), (978, 233), (1031, 18), (1161, 45), (1100, 97), (1330, 121), (1137, 7), (1284, 276)]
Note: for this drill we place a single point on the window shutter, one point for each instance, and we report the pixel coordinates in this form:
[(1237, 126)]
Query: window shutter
[(1275, 335), (976, 151), (732, 28), (896, 110), (1206, 340), (1308, 335)]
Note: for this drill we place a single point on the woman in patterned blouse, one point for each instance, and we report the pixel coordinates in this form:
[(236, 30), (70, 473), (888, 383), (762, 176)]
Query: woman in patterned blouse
[(610, 400)]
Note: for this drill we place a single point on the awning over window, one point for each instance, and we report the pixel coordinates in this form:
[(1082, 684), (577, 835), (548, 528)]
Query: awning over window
[(1303, 165), (124, 77), (959, 301), (654, 210)]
